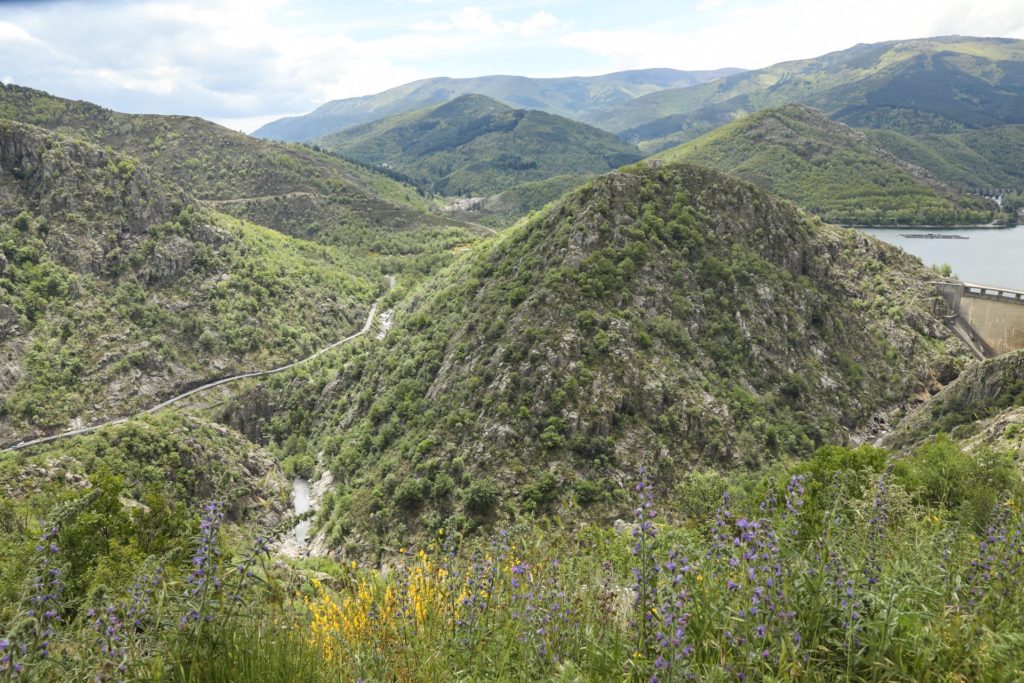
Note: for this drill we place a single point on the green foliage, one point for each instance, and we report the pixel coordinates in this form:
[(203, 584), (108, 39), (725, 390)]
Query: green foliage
[(971, 160), (290, 188), (829, 170), (930, 85), (481, 497), (669, 319), (878, 588), (474, 145)]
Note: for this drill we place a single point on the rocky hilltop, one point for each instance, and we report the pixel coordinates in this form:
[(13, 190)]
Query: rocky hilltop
[(665, 315), (831, 170)]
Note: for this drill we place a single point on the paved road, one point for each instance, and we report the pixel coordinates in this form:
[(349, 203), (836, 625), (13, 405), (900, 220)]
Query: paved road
[(197, 390)]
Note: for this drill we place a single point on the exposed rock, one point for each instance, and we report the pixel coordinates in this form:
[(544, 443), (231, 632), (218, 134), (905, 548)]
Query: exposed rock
[(8, 320), (172, 257), (982, 391)]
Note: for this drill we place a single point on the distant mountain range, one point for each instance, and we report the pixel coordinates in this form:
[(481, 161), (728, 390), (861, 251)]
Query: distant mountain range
[(952, 105), (476, 145), (572, 97), (933, 85)]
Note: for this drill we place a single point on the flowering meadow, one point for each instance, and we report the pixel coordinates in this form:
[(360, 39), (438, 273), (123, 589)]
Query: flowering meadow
[(851, 566)]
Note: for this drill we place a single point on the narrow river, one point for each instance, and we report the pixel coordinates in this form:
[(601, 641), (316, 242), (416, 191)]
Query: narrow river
[(300, 493)]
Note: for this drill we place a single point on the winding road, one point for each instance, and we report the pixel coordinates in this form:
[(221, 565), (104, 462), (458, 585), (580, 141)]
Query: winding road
[(248, 375)]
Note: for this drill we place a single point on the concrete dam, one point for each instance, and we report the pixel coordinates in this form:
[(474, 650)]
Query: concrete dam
[(990, 319)]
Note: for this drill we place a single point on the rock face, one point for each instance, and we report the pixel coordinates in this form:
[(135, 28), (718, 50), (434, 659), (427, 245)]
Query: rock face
[(985, 398), (53, 171), (662, 316)]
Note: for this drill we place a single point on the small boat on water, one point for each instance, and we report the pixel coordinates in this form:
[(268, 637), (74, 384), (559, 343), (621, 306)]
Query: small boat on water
[(933, 236)]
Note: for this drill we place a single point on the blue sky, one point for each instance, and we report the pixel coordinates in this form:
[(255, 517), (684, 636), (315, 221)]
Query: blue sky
[(243, 62)]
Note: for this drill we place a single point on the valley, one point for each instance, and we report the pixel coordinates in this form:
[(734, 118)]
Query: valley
[(658, 375)]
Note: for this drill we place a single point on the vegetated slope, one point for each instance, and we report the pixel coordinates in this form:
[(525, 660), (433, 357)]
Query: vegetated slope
[(933, 85), (990, 158), (668, 316), (290, 188), (476, 145), (569, 97), (985, 401), (115, 289), (126, 501), (831, 170), (508, 206)]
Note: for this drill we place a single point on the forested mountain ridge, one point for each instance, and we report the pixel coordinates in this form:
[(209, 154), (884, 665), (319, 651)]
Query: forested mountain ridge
[(290, 188), (569, 97), (476, 145), (831, 170), (668, 316), (930, 85), (971, 160)]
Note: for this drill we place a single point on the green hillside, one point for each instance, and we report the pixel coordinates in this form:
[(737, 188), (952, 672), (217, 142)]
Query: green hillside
[(990, 158), (475, 145), (831, 170), (116, 288), (933, 85), (290, 188), (570, 97), (671, 317)]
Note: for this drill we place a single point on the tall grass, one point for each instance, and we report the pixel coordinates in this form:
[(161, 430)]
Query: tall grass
[(861, 583)]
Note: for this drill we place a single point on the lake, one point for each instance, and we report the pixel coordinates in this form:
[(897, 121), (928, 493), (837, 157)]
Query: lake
[(990, 257)]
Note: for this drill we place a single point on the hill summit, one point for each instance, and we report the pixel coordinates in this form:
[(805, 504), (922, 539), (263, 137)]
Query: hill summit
[(476, 145), (665, 315), (830, 169)]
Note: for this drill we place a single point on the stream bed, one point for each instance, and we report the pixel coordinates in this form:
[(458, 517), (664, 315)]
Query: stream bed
[(301, 496)]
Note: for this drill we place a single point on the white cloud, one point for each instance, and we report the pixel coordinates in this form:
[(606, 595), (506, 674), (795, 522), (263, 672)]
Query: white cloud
[(537, 24), (430, 26), (7, 80), (475, 20), (12, 33), (756, 36), (707, 5), (232, 59), (248, 124)]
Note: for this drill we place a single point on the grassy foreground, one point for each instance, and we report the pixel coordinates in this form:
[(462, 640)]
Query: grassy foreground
[(846, 567)]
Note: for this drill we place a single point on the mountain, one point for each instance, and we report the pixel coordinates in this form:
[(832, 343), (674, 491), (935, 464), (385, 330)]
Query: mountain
[(933, 85), (568, 97), (987, 159), (831, 170), (117, 288), (475, 145), (667, 316), (290, 188)]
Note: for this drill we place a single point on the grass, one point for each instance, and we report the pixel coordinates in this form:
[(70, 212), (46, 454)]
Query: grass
[(843, 567)]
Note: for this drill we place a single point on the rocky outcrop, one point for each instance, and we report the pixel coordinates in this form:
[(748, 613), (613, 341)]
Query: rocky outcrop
[(972, 402), (172, 257), (55, 172)]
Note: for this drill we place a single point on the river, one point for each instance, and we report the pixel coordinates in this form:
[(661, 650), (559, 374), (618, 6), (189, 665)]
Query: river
[(300, 493), (991, 256)]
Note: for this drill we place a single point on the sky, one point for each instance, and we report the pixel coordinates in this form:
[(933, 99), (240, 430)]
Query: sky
[(245, 62)]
